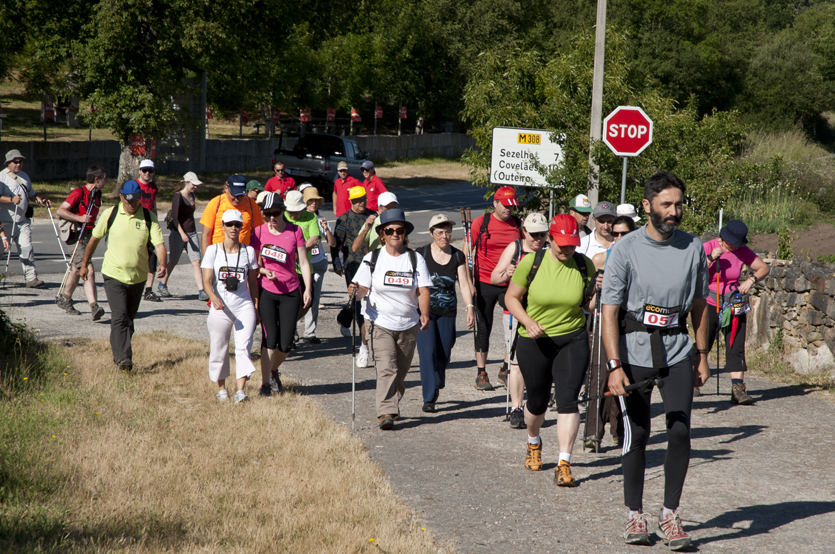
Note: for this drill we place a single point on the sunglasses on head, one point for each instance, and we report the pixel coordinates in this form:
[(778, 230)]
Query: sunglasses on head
[(236, 224), (399, 231)]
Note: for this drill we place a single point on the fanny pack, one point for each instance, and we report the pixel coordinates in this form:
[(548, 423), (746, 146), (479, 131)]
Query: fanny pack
[(674, 324)]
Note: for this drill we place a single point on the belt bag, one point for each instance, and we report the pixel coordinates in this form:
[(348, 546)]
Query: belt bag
[(629, 324)]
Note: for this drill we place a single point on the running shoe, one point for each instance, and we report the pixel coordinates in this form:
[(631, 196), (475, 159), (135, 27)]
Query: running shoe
[(517, 419), (34, 284), (345, 331), (202, 296), (533, 461), (671, 532), (562, 475), (482, 381), (312, 340), (739, 395), (265, 390), (275, 382), (162, 289), (386, 422), (151, 297), (637, 530), (362, 356), (97, 312), (240, 396), (429, 407), (222, 395), (503, 374), (66, 305)]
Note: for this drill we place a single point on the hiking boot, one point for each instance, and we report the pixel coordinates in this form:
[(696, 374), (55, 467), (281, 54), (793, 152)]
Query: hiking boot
[(671, 532), (429, 407), (562, 475), (97, 312), (265, 390), (275, 382), (240, 396), (362, 356), (740, 396), (312, 340), (151, 297), (533, 461), (222, 395), (66, 304), (697, 392), (34, 284), (125, 365), (591, 443), (503, 375), (637, 530), (482, 382), (517, 419), (162, 289), (386, 422), (202, 296)]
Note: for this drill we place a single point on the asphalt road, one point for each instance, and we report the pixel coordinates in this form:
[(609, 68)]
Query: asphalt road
[(420, 204)]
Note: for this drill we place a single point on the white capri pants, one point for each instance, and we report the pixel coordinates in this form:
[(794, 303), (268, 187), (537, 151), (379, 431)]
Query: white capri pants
[(220, 323)]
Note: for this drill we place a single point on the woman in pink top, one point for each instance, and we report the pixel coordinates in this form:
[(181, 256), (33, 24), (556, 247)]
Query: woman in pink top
[(728, 253), (279, 246)]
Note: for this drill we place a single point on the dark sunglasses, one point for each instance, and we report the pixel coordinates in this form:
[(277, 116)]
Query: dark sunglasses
[(147, 170), (17, 162), (342, 171), (274, 213), (620, 233), (236, 224), (279, 171), (389, 231), (541, 235)]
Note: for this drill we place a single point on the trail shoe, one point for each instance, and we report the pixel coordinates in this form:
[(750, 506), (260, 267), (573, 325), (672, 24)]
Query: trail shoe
[(65, 304), (740, 396), (151, 297), (503, 375), (125, 365), (562, 475), (162, 289), (362, 356), (671, 532), (637, 530), (97, 312), (275, 382), (533, 461), (202, 296), (240, 396), (265, 390), (517, 419), (429, 407), (591, 443), (386, 422), (34, 284), (482, 382), (222, 395), (312, 340)]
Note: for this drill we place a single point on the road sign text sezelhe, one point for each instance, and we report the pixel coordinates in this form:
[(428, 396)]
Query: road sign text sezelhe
[(627, 131)]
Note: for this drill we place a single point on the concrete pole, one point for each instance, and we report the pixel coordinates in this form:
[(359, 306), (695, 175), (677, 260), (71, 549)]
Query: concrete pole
[(597, 97), (204, 128)]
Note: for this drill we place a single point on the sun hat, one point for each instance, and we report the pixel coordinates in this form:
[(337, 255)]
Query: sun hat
[(236, 184), (146, 163), (130, 190), (191, 177), (304, 186), (14, 154), (367, 164), (563, 230), (272, 201), (438, 220), (261, 197), (604, 208), (735, 233), (312, 193), (254, 185), (506, 196), (387, 198), (629, 210), (294, 201), (535, 223), (392, 215), (356, 192), (341, 165), (580, 203), (232, 215)]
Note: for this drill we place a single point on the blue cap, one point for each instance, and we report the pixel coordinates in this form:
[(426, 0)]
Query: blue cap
[(237, 185), (735, 233), (390, 216), (131, 190)]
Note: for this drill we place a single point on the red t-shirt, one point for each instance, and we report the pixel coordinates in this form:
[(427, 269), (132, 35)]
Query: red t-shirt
[(374, 187), (499, 234), (343, 202), (79, 200), (281, 186), (149, 195)]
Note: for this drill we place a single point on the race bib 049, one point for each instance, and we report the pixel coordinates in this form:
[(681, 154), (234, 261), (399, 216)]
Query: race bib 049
[(659, 316), (224, 272), (274, 253), (398, 279)]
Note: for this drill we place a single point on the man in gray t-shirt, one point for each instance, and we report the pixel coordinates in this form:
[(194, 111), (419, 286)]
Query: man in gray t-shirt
[(654, 278)]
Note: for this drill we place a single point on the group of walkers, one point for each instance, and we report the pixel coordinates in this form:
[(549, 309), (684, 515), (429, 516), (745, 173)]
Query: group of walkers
[(600, 310)]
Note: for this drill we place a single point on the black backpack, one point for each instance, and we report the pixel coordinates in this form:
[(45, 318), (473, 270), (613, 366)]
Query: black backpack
[(145, 211), (485, 223), (375, 255)]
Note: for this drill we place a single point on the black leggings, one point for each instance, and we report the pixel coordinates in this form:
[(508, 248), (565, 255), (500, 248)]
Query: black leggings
[(487, 296), (734, 355), (278, 318), (562, 360), (677, 395)]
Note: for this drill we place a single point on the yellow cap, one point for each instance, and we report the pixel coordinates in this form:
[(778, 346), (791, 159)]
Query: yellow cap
[(356, 192)]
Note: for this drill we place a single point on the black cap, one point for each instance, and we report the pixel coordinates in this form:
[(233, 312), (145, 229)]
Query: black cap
[(735, 233)]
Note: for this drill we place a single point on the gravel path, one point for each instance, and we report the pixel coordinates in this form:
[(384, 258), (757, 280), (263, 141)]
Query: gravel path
[(760, 479)]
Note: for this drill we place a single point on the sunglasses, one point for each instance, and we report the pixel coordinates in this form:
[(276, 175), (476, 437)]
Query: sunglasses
[(236, 224), (342, 171), (620, 233), (399, 231), (146, 170), (17, 162), (274, 213), (541, 235), (279, 171)]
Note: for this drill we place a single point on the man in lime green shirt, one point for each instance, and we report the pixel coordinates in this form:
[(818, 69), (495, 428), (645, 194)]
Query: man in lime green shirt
[(367, 237), (131, 232)]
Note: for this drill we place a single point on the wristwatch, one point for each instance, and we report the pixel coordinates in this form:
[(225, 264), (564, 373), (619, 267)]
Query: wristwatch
[(613, 364)]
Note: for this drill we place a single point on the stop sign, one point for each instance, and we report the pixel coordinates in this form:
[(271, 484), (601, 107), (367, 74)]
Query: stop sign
[(627, 131)]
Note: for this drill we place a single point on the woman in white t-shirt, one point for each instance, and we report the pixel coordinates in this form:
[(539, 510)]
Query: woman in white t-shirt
[(397, 288), (230, 271)]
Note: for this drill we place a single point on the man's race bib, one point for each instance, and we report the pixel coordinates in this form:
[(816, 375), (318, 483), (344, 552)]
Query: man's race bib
[(315, 250), (658, 316), (224, 272), (274, 253), (398, 279)]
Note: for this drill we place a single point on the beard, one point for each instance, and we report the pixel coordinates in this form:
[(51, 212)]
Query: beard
[(666, 225)]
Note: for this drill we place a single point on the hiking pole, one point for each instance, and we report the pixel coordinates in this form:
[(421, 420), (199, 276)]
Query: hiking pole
[(507, 385), (594, 340), (640, 385), (718, 321), (74, 250), (598, 406), (57, 236), (9, 255), (353, 356)]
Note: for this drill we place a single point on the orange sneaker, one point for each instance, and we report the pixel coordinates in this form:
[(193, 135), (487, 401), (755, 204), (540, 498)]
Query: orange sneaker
[(562, 475), (533, 461)]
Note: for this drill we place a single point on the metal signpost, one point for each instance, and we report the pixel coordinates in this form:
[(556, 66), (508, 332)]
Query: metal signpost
[(627, 131)]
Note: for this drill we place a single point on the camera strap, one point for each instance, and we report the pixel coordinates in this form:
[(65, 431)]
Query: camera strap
[(223, 245)]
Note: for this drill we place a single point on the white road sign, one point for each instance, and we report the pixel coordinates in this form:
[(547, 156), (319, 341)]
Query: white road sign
[(514, 151)]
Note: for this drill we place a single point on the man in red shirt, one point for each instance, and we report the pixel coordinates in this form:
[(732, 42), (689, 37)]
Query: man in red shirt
[(280, 182), (374, 186), (74, 209), (502, 228), (149, 200), (341, 185)]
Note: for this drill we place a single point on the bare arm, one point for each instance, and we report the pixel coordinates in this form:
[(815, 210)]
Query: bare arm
[(205, 240), (423, 303), (64, 212), (162, 256), (761, 271), (304, 265), (88, 254), (611, 342), (312, 241), (466, 293), (504, 270), (701, 373)]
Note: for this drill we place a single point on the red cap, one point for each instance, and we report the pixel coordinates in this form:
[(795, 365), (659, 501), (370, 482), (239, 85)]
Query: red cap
[(564, 230), (506, 196)]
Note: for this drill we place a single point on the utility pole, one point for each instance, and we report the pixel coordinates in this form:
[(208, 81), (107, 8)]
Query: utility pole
[(597, 98)]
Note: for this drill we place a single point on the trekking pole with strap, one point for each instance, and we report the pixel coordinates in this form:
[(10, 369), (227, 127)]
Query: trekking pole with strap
[(57, 236), (353, 356), (77, 242), (9, 255), (640, 385), (718, 320), (594, 341), (468, 237)]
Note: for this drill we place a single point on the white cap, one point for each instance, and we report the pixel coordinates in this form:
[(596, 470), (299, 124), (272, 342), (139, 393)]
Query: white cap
[(536, 223), (191, 177), (146, 163), (628, 210), (294, 201), (261, 197), (387, 198), (231, 215), (304, 186)]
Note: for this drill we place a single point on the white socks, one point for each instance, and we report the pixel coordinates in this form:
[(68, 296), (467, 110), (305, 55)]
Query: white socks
[(533, 440), (664, 513), (565, 457)]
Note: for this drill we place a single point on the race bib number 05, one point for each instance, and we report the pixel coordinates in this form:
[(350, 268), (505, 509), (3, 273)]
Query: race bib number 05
[(658, 316), (274, 253), (225, 272), (398, 279)]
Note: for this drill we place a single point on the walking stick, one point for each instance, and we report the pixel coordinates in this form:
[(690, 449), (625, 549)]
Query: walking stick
[(74, 250), (468, 236), (57, 236), (9, 255), (594, 328), (718, 322), (640, 385), (353, 356)]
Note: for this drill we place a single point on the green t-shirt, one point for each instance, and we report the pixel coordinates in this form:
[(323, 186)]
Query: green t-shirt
[(555, 294), (310, 228), (372, 239)]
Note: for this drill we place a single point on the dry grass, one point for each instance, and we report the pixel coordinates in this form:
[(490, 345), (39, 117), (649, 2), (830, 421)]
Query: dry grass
[(422, 172), (151, 462), (791, 145)]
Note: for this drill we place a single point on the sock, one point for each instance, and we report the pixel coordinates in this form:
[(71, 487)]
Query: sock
[(481, 369), (664, 513), (634, 513), (533, 440), (364, 347), (565, 457), (736, 381)]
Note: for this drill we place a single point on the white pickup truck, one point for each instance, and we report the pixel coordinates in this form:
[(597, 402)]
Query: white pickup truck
[(314, 159)]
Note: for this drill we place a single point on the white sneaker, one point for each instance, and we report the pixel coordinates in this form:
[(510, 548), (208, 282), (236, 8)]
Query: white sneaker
[(240, 396), (222, 395), (345, 331), (362, 357)]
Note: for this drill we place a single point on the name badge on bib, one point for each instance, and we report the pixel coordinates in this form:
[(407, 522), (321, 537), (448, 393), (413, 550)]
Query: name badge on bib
[(658, 316), (315, 250), (225, 272), (274, 253), (398, 279)]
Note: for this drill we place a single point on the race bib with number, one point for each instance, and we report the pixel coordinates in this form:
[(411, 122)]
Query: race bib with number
[(224, 272), (658, 316), (739, 308), (315, 250), (398, 279), (274, 253)]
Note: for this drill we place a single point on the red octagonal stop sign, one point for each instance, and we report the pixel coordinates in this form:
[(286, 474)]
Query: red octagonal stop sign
[(627, 131)]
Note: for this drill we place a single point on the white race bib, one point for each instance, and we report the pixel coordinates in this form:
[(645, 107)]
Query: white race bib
[(658, 316), (315, 250), (274, 253), (398, 279), (224, 272)]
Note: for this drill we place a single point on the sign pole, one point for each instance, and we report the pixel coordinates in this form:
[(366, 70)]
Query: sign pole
[(550, 204), (623, 183)]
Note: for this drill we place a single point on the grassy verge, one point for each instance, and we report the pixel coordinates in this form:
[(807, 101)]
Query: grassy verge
[(771, 365), (151, 462)]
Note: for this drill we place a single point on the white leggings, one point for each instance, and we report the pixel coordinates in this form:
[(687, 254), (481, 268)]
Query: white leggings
[(220, 323)]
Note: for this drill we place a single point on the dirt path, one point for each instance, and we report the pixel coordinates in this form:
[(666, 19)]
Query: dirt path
[(817, 240)]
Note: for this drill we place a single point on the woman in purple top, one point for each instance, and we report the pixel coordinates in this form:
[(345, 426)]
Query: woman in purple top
[(728, 254)]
